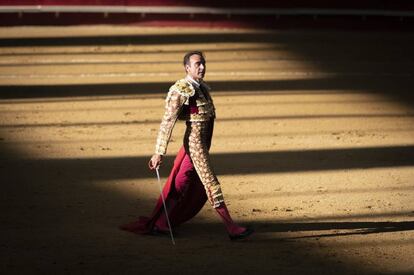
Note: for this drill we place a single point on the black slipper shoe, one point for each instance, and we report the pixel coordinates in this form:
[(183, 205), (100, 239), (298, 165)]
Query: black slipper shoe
[(246, 233)]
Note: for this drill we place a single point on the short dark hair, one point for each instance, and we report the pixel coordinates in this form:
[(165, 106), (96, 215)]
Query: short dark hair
[(187, 56)]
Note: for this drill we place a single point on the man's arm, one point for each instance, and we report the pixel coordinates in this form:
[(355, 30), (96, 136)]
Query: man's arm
[(173, 107)]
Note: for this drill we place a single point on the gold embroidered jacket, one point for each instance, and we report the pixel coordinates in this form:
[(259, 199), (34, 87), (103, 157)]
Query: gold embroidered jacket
[(184, 102)]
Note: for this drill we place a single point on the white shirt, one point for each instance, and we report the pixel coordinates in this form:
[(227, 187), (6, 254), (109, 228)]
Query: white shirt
[(193, 82)]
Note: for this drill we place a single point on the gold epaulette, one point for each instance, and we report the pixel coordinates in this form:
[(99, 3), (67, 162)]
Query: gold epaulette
[(183, 88)]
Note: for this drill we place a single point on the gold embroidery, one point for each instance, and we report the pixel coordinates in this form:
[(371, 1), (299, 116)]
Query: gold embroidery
[(197, 133), (196, 139), (179, 95), (183, 88), (173, 106)]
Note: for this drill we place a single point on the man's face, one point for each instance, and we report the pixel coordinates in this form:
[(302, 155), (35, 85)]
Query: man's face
[(197, 67)]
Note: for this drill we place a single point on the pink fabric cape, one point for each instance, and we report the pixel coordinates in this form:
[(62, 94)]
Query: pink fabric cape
[(188, 207)]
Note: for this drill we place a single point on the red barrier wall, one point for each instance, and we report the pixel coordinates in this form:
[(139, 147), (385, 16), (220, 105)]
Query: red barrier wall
[(219, 20), (332, 4)]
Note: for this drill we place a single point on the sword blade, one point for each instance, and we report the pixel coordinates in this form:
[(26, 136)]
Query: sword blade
[(165, 206)]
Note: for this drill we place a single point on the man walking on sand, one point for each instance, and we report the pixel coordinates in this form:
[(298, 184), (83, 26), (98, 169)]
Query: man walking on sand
[(192, 180)]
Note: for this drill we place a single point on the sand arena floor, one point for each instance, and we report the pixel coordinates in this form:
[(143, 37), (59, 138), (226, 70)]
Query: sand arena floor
[(313, 145)]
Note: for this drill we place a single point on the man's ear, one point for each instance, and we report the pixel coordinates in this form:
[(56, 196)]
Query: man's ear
[(187, 67)]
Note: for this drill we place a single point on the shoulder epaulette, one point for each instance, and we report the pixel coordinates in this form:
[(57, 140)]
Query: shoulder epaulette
[(183, 87)]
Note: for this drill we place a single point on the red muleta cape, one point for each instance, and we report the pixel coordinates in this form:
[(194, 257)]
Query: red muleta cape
[(187, 208)]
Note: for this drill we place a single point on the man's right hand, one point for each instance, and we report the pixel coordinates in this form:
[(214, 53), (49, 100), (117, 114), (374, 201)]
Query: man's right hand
[(156, 161)]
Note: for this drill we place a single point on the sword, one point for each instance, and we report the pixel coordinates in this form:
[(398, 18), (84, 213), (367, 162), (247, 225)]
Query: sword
[(165, 206)]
